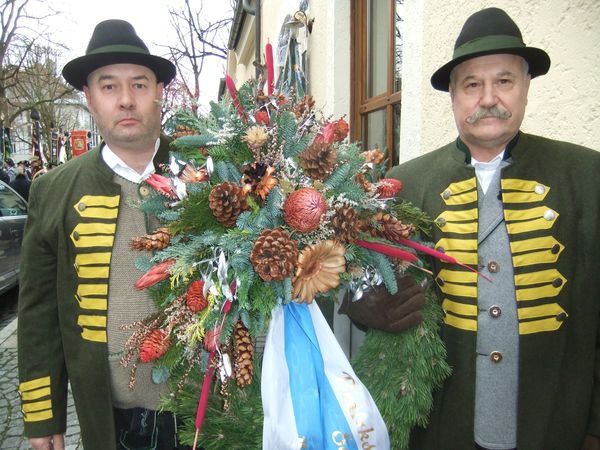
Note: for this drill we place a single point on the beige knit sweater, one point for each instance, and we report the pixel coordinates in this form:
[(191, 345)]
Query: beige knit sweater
[(126, 304)]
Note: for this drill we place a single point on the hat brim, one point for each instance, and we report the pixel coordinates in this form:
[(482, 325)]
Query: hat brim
[(77, 70), (538, 60)]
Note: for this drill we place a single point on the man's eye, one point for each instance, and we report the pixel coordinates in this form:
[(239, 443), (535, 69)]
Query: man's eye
[(108, 87), (139, 85)]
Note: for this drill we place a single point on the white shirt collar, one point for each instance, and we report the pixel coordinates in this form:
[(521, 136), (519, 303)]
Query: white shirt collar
[(490, 165), (121, 168), (485, 171)]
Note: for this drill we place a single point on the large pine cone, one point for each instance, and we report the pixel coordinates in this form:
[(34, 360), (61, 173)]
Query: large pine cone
[(390, 228), (154, 345), (227, 201), (155, 241), (318, 160), (194, 297), (244, 354), (274, 255), (346, 224)]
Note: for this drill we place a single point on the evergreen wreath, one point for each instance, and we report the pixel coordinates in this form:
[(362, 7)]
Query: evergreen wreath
[(264, 202)]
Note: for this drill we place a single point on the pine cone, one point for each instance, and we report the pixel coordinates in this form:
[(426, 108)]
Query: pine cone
[(227, 201), (181, 130), (243, 354), (154, 346), (345, 224), (390, 228), (274, 255), (155, 241), (194, 297), (318, 160)]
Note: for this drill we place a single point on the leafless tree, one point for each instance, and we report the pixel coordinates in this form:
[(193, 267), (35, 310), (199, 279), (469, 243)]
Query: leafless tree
[(197, 39), (26, 59), (38, 84)]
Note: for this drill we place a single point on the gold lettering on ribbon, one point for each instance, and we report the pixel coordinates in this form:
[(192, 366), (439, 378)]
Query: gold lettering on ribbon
[(340, 439), (359, 418)]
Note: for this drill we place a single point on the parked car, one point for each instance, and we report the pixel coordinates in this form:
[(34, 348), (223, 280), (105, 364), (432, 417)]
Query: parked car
[(13, 214)]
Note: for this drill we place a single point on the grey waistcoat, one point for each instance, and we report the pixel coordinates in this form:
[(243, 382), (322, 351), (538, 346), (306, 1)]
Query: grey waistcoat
[(496, 385)]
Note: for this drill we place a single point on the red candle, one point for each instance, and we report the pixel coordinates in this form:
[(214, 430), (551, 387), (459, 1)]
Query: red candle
[(270, 69), (233, 93)]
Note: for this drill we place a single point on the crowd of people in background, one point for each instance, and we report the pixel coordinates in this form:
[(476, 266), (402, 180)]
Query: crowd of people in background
[(19, 176)]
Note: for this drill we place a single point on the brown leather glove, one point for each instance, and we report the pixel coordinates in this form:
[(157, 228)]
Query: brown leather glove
[(591, 443), (392, 313)]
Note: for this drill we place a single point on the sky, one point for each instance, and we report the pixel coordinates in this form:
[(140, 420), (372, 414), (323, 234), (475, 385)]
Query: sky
[(150, 18)]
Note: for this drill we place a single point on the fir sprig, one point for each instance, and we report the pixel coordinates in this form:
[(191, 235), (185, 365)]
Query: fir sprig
[(195, 216)]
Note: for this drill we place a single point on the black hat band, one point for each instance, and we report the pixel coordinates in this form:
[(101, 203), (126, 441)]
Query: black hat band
[(118, 49)]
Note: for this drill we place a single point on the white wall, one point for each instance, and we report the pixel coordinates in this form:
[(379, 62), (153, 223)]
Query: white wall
[(328, 49), (564, 104)]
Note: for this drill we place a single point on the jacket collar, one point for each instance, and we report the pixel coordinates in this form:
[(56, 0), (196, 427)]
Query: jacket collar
[(466, 154)]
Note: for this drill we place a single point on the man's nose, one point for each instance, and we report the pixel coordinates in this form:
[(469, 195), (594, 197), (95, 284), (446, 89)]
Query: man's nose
[(127, 99), (488, 95)]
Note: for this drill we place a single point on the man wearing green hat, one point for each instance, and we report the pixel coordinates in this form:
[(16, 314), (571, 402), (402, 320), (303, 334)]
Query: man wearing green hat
[(78, 270), (525, 212)]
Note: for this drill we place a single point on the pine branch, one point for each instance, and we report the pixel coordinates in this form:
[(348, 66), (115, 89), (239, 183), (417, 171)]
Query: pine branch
[(339, 176), (400, 370), (227, 171)]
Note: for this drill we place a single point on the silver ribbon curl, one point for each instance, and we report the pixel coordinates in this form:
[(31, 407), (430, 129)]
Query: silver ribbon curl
[(370, 279)]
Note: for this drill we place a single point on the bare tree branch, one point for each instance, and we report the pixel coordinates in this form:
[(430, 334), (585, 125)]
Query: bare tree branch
[(197, 40)]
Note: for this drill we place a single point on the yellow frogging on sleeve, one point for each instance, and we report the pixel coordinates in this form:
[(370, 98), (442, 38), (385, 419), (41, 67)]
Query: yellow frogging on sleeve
[(36, 401)]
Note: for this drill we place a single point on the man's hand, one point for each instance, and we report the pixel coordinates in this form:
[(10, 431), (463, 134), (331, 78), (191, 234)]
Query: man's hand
[(382, 311), (591, 443), (55, 442)]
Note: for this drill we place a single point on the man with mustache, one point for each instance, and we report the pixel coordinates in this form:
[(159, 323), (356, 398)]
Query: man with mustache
[(524, 211), (78, 269)]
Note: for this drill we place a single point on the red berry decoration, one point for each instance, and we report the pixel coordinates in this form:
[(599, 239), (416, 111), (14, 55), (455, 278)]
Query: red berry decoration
[(154, 346), (194, 298), (388, 188), (303, 209)]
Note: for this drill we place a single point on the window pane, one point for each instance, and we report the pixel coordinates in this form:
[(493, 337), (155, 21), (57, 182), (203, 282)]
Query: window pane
[(398, 33), (376, 130), (378, 25), (10, 203)]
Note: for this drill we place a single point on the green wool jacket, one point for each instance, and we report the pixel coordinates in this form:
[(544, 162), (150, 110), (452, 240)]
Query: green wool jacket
[(551, 198), (63, 299)]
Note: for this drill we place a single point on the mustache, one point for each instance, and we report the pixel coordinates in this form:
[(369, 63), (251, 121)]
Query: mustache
[(494, 111)]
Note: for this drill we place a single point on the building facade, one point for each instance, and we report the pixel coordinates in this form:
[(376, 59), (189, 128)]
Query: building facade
[(371, 61)]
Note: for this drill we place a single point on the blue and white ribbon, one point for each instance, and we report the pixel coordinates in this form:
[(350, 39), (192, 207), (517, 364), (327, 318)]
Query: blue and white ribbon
[(312, 398)]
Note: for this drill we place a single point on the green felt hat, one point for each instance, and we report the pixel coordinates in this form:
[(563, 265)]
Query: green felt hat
[(490, 31), (115, 42)]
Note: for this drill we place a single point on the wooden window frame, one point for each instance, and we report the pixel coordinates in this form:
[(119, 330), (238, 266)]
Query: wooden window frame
[(361, 105)]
